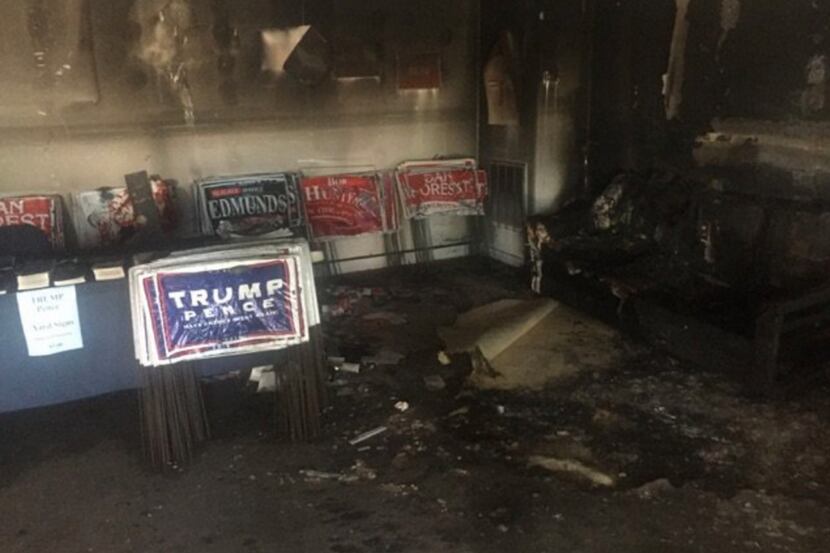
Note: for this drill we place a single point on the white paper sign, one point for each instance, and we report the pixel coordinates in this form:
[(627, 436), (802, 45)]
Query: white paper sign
[(50, 320)]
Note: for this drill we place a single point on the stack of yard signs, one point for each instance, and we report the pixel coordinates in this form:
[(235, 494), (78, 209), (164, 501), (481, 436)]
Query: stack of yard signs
[(218, 302), (261, 205), (351, 204), (441, 187)]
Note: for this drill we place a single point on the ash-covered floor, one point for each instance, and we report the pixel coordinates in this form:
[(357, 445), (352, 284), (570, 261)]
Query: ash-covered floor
[(644, 455)]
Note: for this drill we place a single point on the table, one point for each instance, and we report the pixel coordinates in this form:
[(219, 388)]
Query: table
[(106, 363)]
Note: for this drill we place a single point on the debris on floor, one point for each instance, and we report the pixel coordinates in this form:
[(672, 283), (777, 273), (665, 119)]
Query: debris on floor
[(369, 434), (624, 447), (528, 344), (572, 466), (561, 345), (265, 378), (353, 368), (357, 472), (383, 357), (654, 488), (385, 317), (494, 327), (434, 383)]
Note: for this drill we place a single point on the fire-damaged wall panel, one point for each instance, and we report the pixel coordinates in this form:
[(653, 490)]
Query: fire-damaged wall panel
[(533, 103), (731, 94), (46, 59), (178, 88)]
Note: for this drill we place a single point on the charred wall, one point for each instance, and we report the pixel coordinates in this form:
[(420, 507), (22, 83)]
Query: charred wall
[(550, 72), (112, 111), (547, 43), (733, 95)]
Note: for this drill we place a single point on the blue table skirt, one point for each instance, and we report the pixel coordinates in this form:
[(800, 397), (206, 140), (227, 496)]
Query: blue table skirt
[(105, 364)]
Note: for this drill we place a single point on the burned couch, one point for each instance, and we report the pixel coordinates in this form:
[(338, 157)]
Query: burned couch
[(693, 261)]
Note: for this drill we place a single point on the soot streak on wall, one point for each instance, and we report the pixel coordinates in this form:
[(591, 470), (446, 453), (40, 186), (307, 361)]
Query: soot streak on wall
[(551, 79), (552, 40)]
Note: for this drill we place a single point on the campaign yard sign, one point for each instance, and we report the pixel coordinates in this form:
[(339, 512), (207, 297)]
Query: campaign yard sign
[(224, 306), (42, 212), (250, 205), (452, 187), (346, 205), (106, 217), (217, 302)]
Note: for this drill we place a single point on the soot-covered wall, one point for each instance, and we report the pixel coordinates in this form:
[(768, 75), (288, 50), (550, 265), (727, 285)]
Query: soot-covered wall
[(106, 98), (549, 71), (732, 94), (546, 48)]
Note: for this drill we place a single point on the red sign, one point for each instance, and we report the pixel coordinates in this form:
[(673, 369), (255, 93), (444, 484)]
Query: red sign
[(345, 205), (446, 186), (429, 190), (43, 212)]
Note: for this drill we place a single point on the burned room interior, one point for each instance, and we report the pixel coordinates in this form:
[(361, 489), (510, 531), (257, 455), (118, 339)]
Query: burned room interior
[(357, 276)]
